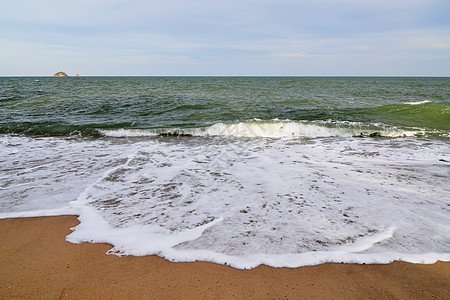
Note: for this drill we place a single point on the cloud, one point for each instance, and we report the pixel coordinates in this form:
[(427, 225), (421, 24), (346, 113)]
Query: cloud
[(288, 55), (242, 37)]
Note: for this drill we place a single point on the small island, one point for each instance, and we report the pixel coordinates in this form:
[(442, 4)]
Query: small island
[(60, 74)]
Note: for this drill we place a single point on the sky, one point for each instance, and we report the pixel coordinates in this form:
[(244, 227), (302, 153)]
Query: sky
[(232, 37)]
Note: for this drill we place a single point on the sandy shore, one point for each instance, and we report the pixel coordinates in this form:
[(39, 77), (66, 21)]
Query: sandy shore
[(37, 262)]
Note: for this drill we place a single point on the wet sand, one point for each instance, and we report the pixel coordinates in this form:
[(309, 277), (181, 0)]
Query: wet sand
[(37, 262)]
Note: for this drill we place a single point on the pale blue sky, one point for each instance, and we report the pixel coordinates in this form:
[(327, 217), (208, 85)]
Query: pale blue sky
[(233, 37)]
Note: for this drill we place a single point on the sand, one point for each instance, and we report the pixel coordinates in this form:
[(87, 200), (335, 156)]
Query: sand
[(36, 262)]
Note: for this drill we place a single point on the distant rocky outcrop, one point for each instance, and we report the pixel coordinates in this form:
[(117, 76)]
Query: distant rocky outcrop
[(78, 75), (60, 74)]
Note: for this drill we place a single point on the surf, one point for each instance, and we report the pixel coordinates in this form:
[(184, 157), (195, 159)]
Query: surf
[(274, 129)]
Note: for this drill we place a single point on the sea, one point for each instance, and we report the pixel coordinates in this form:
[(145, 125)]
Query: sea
[(240, 171)]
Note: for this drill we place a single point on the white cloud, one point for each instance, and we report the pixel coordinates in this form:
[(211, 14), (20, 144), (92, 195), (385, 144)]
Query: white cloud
[(253, 36)]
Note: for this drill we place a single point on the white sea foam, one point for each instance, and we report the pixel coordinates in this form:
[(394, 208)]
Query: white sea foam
[(44, 174), (418, 102), (275, 130), (128, 133), (41, 213), (271, 129), (243, 202)]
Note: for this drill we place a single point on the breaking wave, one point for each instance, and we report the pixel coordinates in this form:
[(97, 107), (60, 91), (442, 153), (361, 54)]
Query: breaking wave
[(273, 129)]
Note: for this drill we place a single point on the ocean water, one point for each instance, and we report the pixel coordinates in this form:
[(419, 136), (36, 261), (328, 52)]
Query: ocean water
[(282, 171)]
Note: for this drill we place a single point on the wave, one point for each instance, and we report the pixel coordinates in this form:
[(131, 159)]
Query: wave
[(432, 115), (418, 102), (421, 118), (273, 129), (331, 200)]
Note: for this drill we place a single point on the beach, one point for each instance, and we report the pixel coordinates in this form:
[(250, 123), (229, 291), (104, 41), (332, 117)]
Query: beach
[(225, 150), (37, 262), (222, 187)]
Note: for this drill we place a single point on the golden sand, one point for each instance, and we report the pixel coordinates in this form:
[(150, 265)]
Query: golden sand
[(37, 262)]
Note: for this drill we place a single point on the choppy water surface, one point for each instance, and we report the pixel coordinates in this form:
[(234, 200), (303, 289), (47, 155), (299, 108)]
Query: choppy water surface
[(242, 171)]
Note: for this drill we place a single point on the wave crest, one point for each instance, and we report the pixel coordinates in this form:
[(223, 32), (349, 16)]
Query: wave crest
[(418, 102), (271, 129)]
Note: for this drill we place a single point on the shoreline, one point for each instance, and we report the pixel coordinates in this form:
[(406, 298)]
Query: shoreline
[(37, 262)]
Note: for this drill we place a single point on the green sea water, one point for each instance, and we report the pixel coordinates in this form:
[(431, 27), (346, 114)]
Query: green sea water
[(86, 105)]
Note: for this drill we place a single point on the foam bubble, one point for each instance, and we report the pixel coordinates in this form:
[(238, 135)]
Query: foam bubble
[(43, 174), (41, 213), (418, 102), (273, 129), (127, 133), (244, 202), (276, 202)]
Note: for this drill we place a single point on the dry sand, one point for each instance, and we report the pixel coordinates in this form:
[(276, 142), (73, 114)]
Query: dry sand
[(37, 262)]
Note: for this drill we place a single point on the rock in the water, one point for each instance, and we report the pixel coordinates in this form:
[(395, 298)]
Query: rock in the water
[(375, 134), (60, 74)]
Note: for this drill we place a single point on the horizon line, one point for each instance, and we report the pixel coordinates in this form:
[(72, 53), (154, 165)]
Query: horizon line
[(443, 76)]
